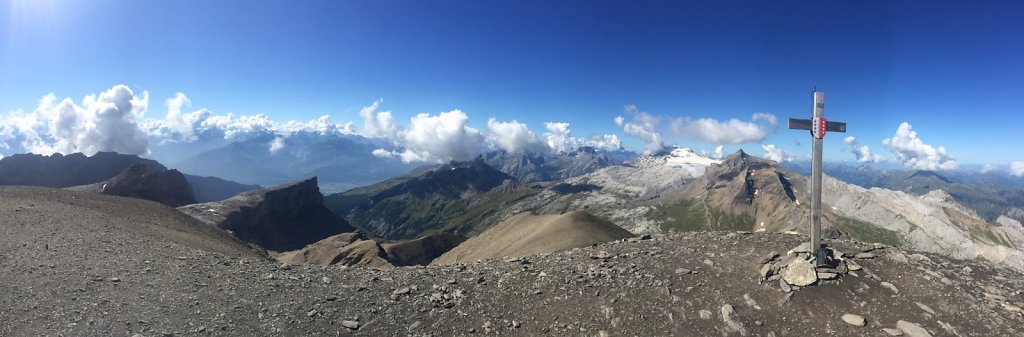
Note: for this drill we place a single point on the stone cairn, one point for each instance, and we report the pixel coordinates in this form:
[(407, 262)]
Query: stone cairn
[(796, 269)]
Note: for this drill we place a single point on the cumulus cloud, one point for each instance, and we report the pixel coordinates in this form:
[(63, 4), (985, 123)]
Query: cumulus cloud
[(321, 125), (377, 124), (609, 142), (113, 121), (732, 131), (1017, 168), (559, 139), (914, 153), (644, 126), (437, 138), (513, 136), (987, 168), (719, 152), (862, 152), (179, 126), (103, 122), (276, 145), (777, 154)]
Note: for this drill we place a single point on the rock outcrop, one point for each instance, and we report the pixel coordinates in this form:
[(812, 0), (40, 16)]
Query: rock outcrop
[(149, 182), (281, 218)]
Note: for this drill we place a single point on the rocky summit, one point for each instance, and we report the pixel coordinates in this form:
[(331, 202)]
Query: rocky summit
[(137, 269)]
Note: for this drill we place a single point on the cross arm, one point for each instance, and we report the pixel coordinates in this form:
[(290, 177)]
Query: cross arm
[(805, 124)]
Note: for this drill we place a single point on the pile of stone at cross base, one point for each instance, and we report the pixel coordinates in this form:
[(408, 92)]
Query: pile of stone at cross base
[(797, 269)]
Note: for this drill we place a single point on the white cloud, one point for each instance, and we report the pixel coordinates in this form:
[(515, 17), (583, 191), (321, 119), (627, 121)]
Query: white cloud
[(644, 126), (862, 152), (987, 168), (513, 137), (608, 142), (185, 127), (112, 121), (913, 153), (777, 154), (559, 139), (732, 131), (321, 125), (103, 122), (437, 138), (719, 152), (276, 145), (766, 117), (377, 124), (1017, 168)]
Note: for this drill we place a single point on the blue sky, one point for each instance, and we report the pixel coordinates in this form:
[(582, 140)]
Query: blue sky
[(953, 70)]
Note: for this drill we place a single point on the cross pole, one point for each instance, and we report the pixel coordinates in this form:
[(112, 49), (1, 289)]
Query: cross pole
[(818, 126)]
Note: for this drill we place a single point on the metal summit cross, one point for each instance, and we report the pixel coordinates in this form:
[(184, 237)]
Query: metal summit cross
[(818, 126)]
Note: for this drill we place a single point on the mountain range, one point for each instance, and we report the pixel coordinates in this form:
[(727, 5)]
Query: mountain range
[(126, 171), (673, 229), (340, 162), (990, 194), (679, 190)]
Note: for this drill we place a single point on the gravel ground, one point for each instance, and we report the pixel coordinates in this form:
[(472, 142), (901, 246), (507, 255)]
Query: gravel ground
[(76, 264)]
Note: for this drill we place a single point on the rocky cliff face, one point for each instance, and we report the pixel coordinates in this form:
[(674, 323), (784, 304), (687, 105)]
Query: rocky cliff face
[(281, 218), (145, 181)]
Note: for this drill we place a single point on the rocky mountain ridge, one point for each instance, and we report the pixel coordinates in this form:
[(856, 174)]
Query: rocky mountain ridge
[(280, 218), (76, 169), (444, 198), (742, 192), (61, 171), (531, 167)]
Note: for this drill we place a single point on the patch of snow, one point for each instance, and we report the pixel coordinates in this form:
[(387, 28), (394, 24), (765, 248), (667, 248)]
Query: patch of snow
[(685, 158)]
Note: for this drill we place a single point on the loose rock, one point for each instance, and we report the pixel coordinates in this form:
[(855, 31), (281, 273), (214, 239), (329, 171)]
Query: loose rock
[(854, 319), (800, 273), (891, 287), (352, 325), (912, 329)]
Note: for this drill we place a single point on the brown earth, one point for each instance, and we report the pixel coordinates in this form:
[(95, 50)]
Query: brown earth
[(354, 249), (78, 264), (528, 233), (358, 249)]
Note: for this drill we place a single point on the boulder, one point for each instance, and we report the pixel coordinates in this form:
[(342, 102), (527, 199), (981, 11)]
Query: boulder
[(800, 273)]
